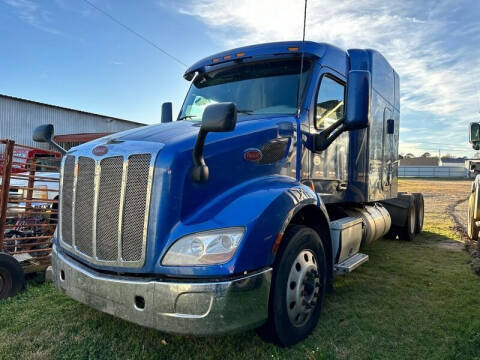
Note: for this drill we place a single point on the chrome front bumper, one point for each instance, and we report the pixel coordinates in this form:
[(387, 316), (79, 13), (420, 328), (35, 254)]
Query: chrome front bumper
[(197, 308)]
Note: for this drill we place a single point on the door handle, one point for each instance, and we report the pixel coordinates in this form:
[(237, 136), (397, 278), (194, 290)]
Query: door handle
[(342, 187)]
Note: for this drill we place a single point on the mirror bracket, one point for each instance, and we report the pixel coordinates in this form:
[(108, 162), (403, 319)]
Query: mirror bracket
[(220, 117), (327, 136), (200, 169), (44, 133)]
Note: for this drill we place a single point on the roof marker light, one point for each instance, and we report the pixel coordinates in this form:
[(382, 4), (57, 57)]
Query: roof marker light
[(215, 60), (227, 57), (240, 54), (293, 48)]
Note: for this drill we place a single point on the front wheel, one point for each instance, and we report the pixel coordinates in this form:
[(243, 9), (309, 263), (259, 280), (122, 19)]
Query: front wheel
[(298, 287)]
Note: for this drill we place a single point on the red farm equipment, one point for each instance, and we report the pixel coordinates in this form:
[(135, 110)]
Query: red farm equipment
[(29, 188)]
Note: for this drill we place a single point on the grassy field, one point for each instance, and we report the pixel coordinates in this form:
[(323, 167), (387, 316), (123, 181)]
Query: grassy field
[(417, 300)]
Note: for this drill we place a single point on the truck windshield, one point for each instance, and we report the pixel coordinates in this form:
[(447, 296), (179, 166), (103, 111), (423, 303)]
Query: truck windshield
[(267, 87)]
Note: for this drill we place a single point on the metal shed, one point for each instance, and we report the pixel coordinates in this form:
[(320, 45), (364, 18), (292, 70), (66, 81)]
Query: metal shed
[(18, 118)]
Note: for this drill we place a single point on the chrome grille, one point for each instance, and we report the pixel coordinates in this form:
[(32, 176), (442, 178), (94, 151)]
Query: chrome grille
[(107, 202), (67, 196), (108, 207), (84, 198), (135, 204)]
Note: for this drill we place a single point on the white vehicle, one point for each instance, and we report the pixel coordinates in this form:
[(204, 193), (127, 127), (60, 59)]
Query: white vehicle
[(473, 215)]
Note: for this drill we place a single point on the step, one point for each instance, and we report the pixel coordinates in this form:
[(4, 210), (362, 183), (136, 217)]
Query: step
[(351, 263)]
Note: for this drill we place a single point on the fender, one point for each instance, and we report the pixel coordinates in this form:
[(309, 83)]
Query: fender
[(264, 206)]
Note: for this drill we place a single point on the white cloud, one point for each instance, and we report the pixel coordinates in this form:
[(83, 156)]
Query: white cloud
[(31, 13), (429, 43)]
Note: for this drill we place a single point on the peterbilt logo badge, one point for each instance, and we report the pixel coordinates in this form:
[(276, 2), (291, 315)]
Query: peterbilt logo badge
[(252, 155), (100, 150)]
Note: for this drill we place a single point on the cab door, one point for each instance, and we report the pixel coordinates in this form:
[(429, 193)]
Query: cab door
[(329, 168)]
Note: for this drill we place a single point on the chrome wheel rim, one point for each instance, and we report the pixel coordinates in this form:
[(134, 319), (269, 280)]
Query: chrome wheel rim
[(303, 288)]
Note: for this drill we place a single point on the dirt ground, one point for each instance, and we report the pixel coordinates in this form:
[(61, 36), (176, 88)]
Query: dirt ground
[(444, 199), (460, 214)]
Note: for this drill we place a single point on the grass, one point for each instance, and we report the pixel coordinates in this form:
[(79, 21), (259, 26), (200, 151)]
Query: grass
[(411, 300)]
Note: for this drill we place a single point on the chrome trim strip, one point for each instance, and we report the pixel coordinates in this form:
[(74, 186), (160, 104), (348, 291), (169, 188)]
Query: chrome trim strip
[(96, 182), (74, 201), (60, 199), (120, 210), (147, 207)]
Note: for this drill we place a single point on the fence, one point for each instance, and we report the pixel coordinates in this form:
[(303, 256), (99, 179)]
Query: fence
[(433, 171), (29, 185)]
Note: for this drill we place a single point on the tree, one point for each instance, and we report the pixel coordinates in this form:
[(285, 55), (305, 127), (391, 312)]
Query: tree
[(427, 155), (409, 156)]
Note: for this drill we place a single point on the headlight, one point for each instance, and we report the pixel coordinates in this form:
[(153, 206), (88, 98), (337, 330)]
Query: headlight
[(204, 248)]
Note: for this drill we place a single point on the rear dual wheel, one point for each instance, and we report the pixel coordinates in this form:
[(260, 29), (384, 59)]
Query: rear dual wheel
[(298, 287), (419, 212), (412, 223), (407, 232)]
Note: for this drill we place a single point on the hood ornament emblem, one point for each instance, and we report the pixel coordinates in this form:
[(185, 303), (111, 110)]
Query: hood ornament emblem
[(100, 150)]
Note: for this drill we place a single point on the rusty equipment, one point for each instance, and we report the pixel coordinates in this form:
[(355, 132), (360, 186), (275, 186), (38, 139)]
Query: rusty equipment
[(28, 212)]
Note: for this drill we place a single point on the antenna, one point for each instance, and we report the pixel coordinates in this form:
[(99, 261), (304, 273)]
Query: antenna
[(301, 61)]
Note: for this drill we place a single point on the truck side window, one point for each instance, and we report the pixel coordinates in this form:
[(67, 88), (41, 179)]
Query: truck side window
[(330, 103)]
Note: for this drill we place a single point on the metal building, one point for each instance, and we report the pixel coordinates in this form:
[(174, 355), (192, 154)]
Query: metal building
[(18, 118)]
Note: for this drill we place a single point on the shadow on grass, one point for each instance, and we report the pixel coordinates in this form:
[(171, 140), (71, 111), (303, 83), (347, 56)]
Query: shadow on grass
[(434, 236)]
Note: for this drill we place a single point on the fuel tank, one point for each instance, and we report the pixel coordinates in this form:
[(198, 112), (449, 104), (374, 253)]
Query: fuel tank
[(376, 220)]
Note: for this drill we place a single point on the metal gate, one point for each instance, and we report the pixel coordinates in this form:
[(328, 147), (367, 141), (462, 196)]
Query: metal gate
[(29, 185)]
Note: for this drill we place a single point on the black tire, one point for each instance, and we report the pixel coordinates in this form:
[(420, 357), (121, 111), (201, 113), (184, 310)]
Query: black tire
[(298, 242), (419, 212), (12, 278), (472, 229), (407, 231)]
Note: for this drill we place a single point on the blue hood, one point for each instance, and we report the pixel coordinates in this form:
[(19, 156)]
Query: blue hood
[(179, 205)]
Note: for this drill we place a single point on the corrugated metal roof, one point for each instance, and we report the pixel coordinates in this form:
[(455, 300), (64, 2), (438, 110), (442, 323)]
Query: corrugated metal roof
[(19, 117), (69, 109)]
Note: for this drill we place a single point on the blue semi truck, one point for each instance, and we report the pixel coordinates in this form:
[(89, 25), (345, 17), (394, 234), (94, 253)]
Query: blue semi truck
[(281, 166)]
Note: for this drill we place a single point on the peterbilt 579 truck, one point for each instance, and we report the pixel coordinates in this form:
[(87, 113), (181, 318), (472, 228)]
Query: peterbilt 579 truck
[(281, 165)]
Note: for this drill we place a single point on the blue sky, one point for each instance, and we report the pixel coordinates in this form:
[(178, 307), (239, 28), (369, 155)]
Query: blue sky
[(65, 52)]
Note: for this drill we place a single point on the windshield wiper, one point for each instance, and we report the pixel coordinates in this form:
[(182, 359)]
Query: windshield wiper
[(187, 117), (245, 111)]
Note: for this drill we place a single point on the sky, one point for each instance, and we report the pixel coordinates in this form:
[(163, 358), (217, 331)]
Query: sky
[(67, 53)]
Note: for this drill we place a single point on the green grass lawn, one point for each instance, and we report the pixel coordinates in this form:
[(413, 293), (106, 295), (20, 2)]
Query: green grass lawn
[(418, 300), (411, 300)]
